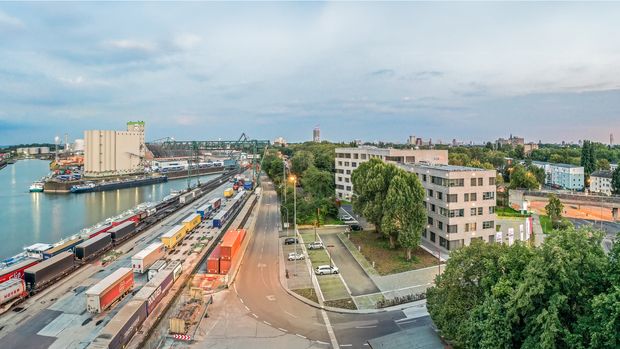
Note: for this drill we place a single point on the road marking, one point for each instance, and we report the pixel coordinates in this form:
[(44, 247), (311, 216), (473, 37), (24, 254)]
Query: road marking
[(266, 323), (300, 336), (406, 320), (321, 342), (295, 316), (366, 326), (255, 316), (281, 329), (346, 345), (246, 308), (365, 343), (241, 299), (330, 330), (271, 297)]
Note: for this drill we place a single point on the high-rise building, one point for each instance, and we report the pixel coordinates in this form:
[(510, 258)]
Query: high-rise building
[(108, 152), (316, 135)]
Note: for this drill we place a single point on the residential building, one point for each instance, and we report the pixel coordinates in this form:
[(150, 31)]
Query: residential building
[(613, 167), (529, 147), (108, 153), (600, 182), (348, 159), (564, 176), (460, 204), (512, 141)]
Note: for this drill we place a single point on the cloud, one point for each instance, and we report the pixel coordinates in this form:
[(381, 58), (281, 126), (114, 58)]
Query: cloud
[(131, 45), (9, 22), (382, 73), (187, 41)]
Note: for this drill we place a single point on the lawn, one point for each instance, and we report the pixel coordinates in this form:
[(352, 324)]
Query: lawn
[(332, 287), (390, 261), (546, 224), (307, 293), (345, 303), (509, 212)]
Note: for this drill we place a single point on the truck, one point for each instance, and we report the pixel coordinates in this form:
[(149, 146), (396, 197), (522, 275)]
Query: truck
[(112, 288), (11, 290), (154, 290), (155, 268), (93, 246), (16, 271), (122, 231), (141, 261), (48, 271), (121, 328)]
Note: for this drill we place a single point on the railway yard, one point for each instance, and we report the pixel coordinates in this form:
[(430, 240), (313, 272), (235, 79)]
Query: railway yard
[(109, 271)]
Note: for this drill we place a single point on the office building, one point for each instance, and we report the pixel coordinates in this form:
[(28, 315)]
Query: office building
[(460, 204), (316, 135), (348, 159), (108, 153), (600, 182), (563, 176)]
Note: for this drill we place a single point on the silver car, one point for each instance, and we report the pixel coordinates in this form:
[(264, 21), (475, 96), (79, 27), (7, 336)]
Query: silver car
[(295, 256), (326, 270)]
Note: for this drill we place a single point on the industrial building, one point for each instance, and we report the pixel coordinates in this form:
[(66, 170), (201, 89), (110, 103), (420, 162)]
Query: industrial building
[(565, 176), (109, 153), (348, 159), (460, 204), (600, 182)]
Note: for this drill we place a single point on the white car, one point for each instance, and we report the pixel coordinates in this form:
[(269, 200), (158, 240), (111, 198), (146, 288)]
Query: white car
[(315, 245), (295, 256), (326, 269)]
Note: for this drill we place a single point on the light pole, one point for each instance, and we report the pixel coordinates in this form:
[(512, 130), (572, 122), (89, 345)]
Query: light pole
[(294, 180), (286, 208)]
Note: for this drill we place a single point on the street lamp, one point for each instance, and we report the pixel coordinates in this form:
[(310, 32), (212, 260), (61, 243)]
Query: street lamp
[(293, 179)]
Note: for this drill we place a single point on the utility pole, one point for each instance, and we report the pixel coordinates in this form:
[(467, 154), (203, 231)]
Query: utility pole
[(295, 218)]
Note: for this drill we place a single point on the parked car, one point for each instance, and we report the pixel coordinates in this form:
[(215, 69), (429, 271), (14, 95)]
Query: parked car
[(315, 245), (326, 269), (355, 227), (291, 241), (295, 256)]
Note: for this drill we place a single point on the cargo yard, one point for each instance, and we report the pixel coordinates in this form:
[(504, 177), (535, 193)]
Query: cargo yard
[(85, 290)]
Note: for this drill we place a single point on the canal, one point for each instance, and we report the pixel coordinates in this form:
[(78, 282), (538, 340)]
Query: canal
[(26, 218)]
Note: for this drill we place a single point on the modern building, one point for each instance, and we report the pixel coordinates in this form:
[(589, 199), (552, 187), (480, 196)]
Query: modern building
[(316, 135), (564, 176), (460, 204), (600, 182), (109, 152), (348, 159)]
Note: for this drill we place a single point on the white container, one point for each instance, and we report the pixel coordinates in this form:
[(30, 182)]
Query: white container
[(155, 268), (12, 289), (142, 260)]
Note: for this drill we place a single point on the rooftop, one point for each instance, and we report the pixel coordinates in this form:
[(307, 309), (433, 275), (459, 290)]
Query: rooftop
[(602, 173), (555, 164), (448, 168)]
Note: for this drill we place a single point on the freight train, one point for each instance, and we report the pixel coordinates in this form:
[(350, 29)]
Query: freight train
[(41, 271)]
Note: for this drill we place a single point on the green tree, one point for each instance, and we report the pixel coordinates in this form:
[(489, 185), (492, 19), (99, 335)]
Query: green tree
[(318, 183), (554, 208), (603, 164), (615, 181), (301, 161), (588, 157), (523, 179)]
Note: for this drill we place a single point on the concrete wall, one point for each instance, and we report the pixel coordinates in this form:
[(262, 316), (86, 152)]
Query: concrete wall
[(112, 152)]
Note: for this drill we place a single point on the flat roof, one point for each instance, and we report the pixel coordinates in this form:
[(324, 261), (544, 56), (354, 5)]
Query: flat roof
[(556, 164), (603, 174), (449, 168)]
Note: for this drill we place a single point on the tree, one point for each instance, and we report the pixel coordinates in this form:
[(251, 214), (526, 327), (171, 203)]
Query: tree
[(301, 161), (588, 157), (538, 172), (318, 183), (615, 181), (554, 208), (521, 178), (603, 164), (519, 152)]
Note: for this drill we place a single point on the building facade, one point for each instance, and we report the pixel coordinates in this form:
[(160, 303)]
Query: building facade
[(600, 182), (460, 204), (316, 135), (348, 159), (563, 176), (109, 153)]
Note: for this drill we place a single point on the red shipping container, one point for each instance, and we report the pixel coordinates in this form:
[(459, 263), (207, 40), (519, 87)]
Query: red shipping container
[(242, 233), (224, 266), (115, 292), (230, 245), (213, 262)]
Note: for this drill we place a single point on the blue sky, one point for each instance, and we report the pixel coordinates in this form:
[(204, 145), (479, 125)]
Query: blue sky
[(371, 71)]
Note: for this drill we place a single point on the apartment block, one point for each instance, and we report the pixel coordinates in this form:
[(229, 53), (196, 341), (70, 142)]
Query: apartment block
[(460, 204), (564, 176), (348, 159), (600, 182)]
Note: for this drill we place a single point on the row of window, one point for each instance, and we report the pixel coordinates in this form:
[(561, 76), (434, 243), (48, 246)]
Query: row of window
[(453, 228), (487, 195), (346, 163), (349, 156), (342, 187), (457, 182), (341, 171), (346, 179)]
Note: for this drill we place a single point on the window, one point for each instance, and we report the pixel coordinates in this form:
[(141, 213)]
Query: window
[(473, 197), (339, 179), (440, 225), (339, 163), (473, 182), (363, 156), (492, 238), (457, 182), (480, 181), (429, 220), (423, 178), (480, 211), (346, 163), (443, 211), (439, 195), (348, 171), (438, 181), (348, 187), (430, 193), (472, 211), (432, 236), (453, 197), (424, 233), (432, 207), (466, 197), (491, 180), (487, 224), (355, 156), (346, 179), (340, 186), (354, 164), (488, 195), (453, 229), (443, 243), (470, 227), (457, 213)]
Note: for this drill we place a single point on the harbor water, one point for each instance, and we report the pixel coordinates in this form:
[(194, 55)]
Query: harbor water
[(27, 218)]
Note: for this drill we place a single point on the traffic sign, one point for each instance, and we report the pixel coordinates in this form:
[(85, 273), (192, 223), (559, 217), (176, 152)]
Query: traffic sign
[(182, 337)]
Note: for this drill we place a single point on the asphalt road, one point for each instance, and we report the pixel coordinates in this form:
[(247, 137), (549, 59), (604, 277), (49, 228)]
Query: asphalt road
[(259, 291), (610, 228), (353, 274)]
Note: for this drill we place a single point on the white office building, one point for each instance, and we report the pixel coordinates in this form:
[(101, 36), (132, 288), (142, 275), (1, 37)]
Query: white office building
[(563, 176), (600, 182)]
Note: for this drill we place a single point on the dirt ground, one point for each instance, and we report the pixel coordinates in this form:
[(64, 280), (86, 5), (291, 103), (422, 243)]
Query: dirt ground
[(576, 211)]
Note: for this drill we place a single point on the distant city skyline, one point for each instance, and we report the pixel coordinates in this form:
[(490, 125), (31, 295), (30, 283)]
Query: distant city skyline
[(369, 71)]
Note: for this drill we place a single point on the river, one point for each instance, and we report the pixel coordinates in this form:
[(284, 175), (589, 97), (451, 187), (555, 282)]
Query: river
[(27, 218)]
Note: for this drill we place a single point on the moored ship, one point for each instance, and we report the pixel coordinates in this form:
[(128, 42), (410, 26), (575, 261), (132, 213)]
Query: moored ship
[(119, 184)]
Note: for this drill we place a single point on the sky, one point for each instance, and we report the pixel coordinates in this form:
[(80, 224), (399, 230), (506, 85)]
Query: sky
[(368, 70)]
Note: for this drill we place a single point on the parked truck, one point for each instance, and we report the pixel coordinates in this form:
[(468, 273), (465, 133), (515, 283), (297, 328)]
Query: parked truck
[(142, 260), (112, 288)]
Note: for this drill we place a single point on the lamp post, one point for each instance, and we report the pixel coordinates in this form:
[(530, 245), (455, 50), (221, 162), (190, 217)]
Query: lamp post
[(294, 180)]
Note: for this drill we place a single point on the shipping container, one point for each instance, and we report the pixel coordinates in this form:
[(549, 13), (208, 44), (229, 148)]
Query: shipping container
[(248, 185), (16, 271), (230, 245), (155, 268), (119, 331), (141, 261), (109, 290), (48, 270), (67, 246), (215, 203), (93, 247), (176, 267), (188, 197), (174, 236), (191, 221), (154, 290), (11, 290), (224, 266), (204, 211), (122, 231), (213, 261)]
